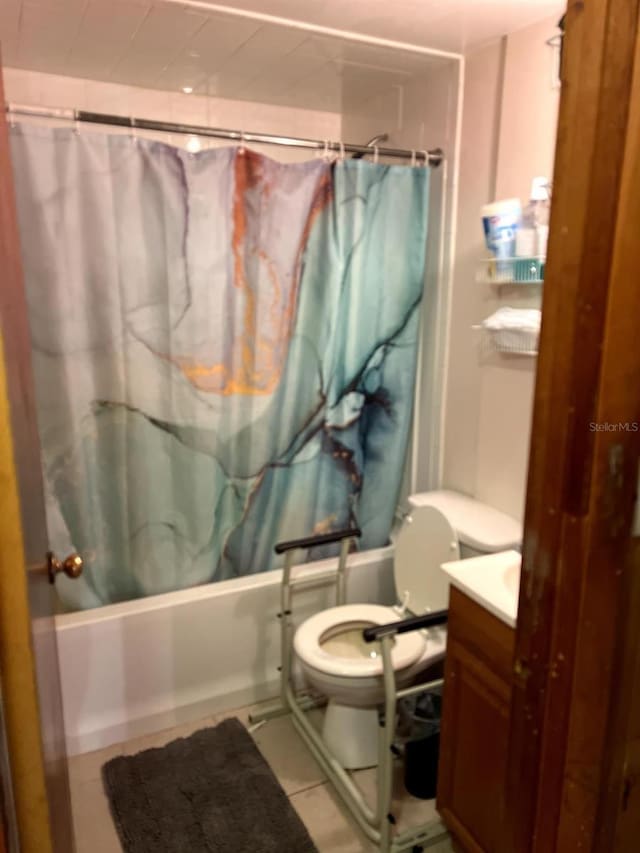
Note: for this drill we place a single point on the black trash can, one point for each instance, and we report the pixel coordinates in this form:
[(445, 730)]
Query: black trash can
[(423, 747)]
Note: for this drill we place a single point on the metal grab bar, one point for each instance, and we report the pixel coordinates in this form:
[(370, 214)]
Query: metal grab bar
[(375, 822), (313, 541), (413, 623)]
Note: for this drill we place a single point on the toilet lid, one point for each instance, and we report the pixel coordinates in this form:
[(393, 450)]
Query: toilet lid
[(426, 541)]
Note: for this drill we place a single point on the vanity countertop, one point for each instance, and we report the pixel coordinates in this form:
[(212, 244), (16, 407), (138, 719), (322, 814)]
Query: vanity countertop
[(492, 581)]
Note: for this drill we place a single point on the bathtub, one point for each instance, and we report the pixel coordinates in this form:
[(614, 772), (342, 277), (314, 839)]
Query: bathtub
[(141, 666)]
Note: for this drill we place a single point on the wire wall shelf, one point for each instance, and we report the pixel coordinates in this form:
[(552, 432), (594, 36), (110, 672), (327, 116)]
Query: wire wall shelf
[(511, 271), (519, 342)]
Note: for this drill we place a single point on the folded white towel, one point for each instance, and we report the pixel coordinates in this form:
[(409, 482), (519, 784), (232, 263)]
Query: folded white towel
[(522, 319)]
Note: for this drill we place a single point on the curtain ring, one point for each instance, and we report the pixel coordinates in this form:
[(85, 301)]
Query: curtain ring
[(241, 148), (76, 123), (132, 123), (375, 153), (326, 153), (413, 157), (12, 115), (425, 154), (341, 144)]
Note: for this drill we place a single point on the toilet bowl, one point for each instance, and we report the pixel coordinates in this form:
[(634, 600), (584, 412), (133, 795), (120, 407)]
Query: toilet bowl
[(338, 662), (333, 655)]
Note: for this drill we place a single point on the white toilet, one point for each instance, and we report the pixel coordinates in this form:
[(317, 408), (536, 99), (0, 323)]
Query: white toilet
[(440, 527)]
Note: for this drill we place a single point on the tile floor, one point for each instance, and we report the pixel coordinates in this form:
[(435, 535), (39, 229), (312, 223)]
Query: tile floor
[(331, 829)]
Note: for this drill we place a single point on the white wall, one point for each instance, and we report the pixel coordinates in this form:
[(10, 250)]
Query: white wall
[(530, 100), (482, 95), (50, 90), (430, 115), (508, 137), (423, 115)]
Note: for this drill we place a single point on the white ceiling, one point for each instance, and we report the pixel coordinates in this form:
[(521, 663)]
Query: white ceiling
[(166, 44), (453, 25)]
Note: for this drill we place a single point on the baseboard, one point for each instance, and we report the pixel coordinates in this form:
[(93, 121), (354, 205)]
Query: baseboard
[(101, 738)]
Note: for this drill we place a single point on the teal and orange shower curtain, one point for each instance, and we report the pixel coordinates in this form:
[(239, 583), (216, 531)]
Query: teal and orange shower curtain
[(224, 350)]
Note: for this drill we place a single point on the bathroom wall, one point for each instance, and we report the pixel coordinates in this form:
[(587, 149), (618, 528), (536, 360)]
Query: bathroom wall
[(50, 90), (423, 114), (508, 137), (510, 103)]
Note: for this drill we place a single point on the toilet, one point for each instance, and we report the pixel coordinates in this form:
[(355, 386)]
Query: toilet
[(441, 526)]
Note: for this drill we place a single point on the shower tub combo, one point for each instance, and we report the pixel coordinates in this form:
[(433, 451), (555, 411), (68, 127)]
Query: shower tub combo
[(141, 666)]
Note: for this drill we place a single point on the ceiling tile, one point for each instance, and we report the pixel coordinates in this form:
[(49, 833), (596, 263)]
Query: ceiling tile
[(281, 75), (168, 27), (138, 70), (228, 84), (160, 38), (104, 36), (116, 23), (46, 33), (254, 59), (218, 40), (59, 19), (9, 52), (41, 51), (413, 21), (166, 45), (9, 17), (268, 44), (181, 73)]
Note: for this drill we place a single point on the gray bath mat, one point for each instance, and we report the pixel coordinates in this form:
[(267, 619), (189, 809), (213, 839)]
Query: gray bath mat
[(212, 792)]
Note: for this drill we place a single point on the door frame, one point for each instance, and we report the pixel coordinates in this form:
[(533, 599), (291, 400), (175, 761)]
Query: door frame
[(17, 665), (29, 675), (579, 601)]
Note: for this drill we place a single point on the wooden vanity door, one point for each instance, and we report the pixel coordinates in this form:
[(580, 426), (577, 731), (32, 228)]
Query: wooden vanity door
[(475, 726)]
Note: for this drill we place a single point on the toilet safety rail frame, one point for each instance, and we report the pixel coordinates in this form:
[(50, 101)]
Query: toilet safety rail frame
[(376, 823)]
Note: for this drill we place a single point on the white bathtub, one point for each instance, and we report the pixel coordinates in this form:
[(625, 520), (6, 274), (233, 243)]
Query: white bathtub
[(138, 667)]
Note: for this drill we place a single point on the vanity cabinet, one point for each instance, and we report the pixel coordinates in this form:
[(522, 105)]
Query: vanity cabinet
[(475, 726)]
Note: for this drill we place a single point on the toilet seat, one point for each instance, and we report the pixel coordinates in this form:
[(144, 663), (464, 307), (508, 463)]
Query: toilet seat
[(407, 648)]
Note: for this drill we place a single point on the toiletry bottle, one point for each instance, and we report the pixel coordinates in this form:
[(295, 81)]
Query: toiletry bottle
[(535, 222), (541, 202), (526, 237)]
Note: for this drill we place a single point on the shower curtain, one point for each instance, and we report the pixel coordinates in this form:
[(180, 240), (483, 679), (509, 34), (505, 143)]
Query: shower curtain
[(224, 350)]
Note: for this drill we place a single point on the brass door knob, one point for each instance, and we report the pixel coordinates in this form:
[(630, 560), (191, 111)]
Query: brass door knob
[(71, 566)]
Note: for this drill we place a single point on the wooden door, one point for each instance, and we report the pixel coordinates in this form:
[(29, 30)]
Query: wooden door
[(28, 652), (475, 726), (574, 758)]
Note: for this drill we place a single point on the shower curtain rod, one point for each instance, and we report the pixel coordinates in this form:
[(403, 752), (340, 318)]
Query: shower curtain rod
[(430, 158)]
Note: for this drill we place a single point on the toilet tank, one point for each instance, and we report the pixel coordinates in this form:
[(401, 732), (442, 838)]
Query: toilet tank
[(480, 528)]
